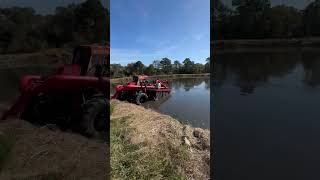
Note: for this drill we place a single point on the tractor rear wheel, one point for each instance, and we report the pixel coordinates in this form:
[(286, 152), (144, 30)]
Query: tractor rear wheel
[(141, 98), (94, 117)]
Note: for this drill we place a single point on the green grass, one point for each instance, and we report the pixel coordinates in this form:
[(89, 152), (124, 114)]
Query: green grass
[(132, 161), (6, 144), (111, 107)]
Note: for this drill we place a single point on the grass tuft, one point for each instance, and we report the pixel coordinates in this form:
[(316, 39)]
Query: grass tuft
[(112, 106)]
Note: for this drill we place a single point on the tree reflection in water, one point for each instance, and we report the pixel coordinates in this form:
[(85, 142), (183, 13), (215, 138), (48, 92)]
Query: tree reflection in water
[(248, 70)]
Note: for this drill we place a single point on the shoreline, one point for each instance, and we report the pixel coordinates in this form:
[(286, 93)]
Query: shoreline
[(184, 149), (263, 43), (172, 76)]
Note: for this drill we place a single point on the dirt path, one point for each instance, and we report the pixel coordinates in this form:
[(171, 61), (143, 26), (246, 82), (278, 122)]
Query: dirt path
[(186, 148), (40, 153)]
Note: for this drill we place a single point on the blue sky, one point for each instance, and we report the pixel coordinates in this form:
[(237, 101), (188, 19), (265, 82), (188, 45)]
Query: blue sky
[(148, 30)]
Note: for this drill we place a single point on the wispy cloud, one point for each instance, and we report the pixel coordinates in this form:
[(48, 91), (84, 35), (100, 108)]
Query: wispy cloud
[(149, 41), (123, 56), (189, 4), (143, 11), (165, 50), (197, 37), (145, 14)]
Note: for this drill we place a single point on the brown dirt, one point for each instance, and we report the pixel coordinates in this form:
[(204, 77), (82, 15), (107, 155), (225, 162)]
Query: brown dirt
[(163, 132), (43, 153)]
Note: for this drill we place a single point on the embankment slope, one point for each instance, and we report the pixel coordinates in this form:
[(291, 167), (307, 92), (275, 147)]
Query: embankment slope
[(185, 148)]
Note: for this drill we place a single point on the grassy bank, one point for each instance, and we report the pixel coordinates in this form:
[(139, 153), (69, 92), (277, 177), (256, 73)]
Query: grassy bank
[(149, 145), (171, 76)]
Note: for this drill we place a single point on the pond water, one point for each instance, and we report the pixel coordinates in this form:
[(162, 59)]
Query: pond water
[(267, 114), (189, 101)]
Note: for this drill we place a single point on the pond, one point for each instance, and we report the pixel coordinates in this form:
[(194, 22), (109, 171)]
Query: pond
[(266, 114), (189, 101)]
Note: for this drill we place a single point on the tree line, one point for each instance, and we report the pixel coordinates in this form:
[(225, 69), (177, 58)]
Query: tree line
[(23, 30), (256, 19), (160, 67)]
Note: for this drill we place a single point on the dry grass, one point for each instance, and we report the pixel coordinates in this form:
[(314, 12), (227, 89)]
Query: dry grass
[(39, 153), (130, 161), (42, 58), (165, 138)]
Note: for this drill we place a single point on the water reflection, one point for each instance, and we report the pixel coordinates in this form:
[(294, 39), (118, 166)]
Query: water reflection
[(189, 101), (274, 129), (249, 70), (311, 65), (188, 83)]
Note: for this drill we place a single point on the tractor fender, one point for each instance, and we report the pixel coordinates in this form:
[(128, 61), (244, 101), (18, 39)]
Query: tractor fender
[(26, 81), (119, 87)]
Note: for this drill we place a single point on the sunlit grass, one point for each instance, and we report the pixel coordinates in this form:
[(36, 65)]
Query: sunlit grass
[(132, 161)]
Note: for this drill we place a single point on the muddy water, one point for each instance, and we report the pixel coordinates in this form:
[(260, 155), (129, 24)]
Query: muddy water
[(189, 101)]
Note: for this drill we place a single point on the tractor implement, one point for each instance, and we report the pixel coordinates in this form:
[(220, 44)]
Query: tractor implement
[(140, 90)]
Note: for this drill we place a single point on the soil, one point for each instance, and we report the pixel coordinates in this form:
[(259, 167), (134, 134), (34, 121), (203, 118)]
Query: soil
[(41, 153)]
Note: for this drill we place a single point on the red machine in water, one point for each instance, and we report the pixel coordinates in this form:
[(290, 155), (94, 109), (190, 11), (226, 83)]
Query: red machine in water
[(139, 90), (76, 97)]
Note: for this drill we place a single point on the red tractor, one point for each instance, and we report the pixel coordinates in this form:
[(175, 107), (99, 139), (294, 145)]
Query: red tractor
[(75, 97), (139, 90)]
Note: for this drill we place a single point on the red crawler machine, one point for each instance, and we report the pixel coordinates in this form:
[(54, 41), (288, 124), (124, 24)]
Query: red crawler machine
[(139, 90), (76, 97)]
